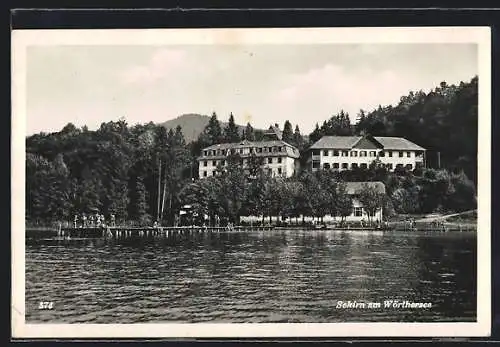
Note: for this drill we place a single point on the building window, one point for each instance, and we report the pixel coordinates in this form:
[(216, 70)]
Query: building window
[(205, 153), (408, 154), (280, 149), (400, 154), (223, 162), (270, 171), (270, 149), (354, 153), (390, 154), (259, 150), (279, 171), (241, 150), (372, 153), (205, 163), (335, 165), (354, 166), (315, 152), (214, 163), (269, 160), (279, 160), (335, 153), (389, 166), (381, 154), (325, 153), (409, 166), (326, 166), (358, 212), (204, 174), (213, 173), (364, 166), (362, 153), (315, 164), (345, 165)]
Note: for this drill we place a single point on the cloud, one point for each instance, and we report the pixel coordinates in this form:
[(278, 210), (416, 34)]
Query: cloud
[(162, 63), (325, 90)]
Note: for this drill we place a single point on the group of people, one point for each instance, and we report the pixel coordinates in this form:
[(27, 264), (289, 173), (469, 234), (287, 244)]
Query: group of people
[(92, 220)]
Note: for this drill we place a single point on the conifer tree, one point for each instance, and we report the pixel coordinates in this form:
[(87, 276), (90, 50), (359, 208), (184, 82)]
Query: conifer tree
[(231, 132), (287, 135)]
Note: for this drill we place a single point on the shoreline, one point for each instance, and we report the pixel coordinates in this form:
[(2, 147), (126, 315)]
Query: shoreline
[(149, 230)]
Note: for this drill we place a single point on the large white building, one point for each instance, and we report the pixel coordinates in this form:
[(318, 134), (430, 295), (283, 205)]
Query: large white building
[(350, 152), (278, 157)]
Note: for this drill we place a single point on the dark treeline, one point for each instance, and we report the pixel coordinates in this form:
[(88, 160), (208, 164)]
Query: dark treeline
[(146, 172), (232, 193), (133, 172)]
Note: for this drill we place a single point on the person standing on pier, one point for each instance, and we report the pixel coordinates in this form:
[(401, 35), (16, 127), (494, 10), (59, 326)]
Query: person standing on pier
[(113, 220), (84, 220), (75, 221), (91, 220)]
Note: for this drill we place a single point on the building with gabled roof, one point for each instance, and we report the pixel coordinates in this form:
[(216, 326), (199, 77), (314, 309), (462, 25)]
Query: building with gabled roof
[(358, 212), (351, 152)]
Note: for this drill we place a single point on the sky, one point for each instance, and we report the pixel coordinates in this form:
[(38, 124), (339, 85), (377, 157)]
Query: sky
[(261, 84)]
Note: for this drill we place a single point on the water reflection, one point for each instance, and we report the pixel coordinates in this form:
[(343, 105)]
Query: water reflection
[(279, 276)]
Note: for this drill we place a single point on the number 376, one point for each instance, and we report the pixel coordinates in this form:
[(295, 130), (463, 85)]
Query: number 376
[(45, 305)]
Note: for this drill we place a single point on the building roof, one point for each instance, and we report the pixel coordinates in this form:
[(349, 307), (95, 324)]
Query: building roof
[(354, 187), (246, 143), (290, 150), (348, 142), (398, 143), (336, 142)]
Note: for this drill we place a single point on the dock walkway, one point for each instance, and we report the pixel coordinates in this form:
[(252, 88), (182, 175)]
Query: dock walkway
[(117, 231)]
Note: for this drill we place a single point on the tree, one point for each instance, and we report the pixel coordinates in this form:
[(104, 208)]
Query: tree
[(139, 203), (212, 134), (287, 135), (371, 199), (195, 195), (315, 135), (406, 200), (233, 183), (462, 196), (343, 202), (48, 188), (254, 165), (176, 159), (248, 133), (297, 139), (231, 132)]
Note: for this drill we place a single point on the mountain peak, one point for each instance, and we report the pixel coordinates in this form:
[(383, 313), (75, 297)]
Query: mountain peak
[(192, 125)]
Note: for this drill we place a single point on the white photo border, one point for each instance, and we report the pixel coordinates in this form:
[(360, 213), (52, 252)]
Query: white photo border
[(21, 39)]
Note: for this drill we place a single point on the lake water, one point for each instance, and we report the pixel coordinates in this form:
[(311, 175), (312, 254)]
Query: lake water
[(257, 277)]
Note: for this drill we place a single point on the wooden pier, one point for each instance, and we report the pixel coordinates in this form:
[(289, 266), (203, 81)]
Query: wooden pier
[(120, 231)]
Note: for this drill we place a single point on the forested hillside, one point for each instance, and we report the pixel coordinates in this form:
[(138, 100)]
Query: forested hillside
[(145, 172)]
